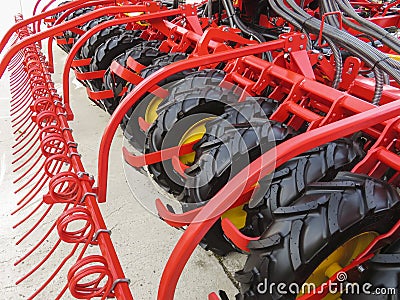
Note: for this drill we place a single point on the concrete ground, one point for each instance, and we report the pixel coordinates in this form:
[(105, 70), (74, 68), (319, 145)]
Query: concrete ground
[(143, 242)]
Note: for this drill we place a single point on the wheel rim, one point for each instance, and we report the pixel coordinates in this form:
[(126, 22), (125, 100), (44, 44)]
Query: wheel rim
[(339, 259), (194, 133), (151, 110)]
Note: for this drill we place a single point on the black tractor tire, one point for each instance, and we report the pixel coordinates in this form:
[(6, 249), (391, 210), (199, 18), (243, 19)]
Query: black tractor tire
[(144, 53), (187, 104), (69, 34), (241, 144), (305, 233), (106, 52), (236, 136), (132, 131), (239, 135), (57, 15), (381, 273), (290, 180), (221, 159), (89, 25), (99, 38)]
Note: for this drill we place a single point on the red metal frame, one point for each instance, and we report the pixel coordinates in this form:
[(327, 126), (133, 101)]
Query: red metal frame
[(71, 187), (366, 117), (344, 114)]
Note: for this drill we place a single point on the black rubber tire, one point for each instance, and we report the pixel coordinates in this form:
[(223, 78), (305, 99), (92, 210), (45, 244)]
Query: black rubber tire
[(132, 131), (144, 53), (382, 272), (304, 234), (57, 15), (106, 52), (236, 148), (287, 183), (290, 180), (239, 135), (236, 136), (191, 100), (89, 25), (89, 47), (69, 34)]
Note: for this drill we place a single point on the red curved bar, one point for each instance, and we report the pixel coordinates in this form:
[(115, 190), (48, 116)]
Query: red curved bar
[(33, 19)]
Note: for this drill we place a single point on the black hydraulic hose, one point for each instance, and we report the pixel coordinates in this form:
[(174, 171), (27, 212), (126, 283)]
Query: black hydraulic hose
[(229, 13), (368, 27), (238, 22), (332, 20), (338, 63), (287, 15), (325, 6), (379, 81), (329, 6), (372, 56), (384, 75)]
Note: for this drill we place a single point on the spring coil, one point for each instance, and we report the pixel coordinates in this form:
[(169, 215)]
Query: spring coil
[(42, 104), (88, 267), (51, 163), (65, 187), (80, 216)]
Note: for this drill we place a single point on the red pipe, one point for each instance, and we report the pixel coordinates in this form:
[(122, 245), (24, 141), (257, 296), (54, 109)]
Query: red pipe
[(23, 23), (62, 18)]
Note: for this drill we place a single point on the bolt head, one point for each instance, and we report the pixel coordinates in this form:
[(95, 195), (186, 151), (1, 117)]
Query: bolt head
[(291, 39)]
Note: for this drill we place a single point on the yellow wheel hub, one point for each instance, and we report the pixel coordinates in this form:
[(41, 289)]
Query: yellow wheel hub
[(194, 133), (236, 215), (151, 110), (339, 259)]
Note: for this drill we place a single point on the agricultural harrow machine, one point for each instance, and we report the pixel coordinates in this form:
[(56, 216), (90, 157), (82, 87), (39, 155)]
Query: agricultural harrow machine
[(273, 124)]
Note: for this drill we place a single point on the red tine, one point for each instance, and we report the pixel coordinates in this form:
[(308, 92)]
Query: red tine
[(53, 275), (33, 249), (34, 269), (20, 96), (24, 118), (64, 188), (37, 187), (22, 131), (28, 160), (31, 213), (25, 145), (19, 104)]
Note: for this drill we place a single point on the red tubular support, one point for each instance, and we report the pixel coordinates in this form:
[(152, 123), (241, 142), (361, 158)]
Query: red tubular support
[(261, 167), (23, 23), (29, 40)]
